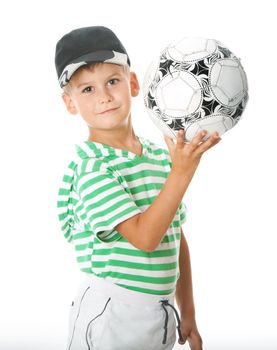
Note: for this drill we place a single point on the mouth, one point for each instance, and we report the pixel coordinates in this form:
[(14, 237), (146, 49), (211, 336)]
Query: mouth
[(108, 111)]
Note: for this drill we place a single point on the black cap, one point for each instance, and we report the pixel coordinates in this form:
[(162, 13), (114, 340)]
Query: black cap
[(86, 45)]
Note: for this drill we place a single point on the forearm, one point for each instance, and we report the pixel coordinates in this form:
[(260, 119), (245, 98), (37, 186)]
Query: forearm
[(184, 298), (184, 289), (154, 222), (146, 230)]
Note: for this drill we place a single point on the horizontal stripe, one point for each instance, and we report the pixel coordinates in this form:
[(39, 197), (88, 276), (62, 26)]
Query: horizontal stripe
[(144, 276), (149, 187), (145, 279), (137, 252), (144, 174), (110, 222), (132, 265), (135, 259)]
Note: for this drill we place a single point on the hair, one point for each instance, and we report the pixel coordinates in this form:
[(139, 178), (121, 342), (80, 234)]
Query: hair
[(91, 67)]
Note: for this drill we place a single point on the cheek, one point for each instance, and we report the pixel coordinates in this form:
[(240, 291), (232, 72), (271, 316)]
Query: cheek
[(126, 97), (84, 106)]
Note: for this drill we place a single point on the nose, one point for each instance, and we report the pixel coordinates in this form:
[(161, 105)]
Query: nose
[(104, 96)]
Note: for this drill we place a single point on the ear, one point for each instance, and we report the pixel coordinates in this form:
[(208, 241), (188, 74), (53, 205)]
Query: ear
[(70, 106), (134, 84)]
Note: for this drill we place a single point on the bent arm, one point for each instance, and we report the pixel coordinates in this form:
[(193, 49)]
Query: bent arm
[(146, 230)]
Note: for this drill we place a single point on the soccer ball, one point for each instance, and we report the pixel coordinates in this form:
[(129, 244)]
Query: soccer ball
[(195, 84)]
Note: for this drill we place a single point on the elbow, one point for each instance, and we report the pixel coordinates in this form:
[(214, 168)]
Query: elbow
[(147, 240), (137, 232), (148, 246)]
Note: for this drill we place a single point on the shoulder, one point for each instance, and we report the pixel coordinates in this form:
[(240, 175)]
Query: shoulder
[(82, 164), (92, 157)]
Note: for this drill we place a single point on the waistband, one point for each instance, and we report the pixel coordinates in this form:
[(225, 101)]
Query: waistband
[(125, 295)]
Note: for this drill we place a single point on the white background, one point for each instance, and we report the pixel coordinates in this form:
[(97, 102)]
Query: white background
[(231, 227)]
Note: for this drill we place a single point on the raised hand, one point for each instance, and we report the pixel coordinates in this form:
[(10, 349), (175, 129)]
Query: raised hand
[(186, 156)]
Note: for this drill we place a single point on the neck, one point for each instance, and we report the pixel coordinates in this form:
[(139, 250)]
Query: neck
[(123, 137)]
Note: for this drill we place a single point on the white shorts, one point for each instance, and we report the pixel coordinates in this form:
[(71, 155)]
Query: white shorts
[(105, 316)]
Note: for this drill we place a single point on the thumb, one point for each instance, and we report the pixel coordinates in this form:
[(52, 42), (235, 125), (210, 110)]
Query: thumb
[(182, 340)]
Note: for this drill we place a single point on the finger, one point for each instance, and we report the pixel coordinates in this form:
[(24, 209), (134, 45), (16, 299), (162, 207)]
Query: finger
[(169, 142), (180, 138), (182, 341), (198, 138), (183, 335), (210, 142)]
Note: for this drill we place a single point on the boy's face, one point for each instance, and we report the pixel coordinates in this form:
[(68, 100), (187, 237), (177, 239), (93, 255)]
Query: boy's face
[(102, 95)]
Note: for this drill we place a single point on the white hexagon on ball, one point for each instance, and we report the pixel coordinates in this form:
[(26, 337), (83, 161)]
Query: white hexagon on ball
[(228, 82), (191, 49), (179, 94), (214, 122)]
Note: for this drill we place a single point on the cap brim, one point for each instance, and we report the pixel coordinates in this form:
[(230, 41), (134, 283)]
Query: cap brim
[(99, 56)]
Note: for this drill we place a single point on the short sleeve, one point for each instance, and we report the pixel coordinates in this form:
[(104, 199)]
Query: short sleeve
[(104, 203)]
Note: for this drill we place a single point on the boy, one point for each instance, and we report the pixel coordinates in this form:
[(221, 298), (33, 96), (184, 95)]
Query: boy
[(120, 204)]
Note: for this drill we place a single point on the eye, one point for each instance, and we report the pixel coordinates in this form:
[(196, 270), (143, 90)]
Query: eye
[(87, 89), (113, 81)]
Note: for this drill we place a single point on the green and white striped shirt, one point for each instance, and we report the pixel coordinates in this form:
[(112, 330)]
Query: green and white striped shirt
[(105, 186)]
